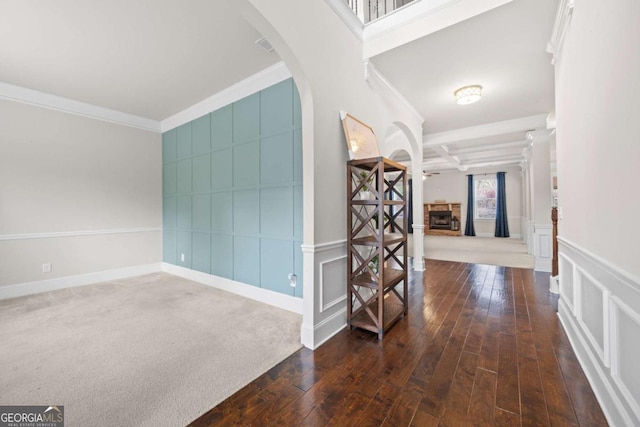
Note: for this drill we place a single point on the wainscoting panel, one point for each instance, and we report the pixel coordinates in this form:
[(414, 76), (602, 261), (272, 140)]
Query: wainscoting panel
[(566, 273), (325, 315), (592, 313), (599, 308), (332, 280), (624, 362)]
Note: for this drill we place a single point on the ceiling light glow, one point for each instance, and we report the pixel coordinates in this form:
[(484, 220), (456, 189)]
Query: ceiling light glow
[(468, 94)]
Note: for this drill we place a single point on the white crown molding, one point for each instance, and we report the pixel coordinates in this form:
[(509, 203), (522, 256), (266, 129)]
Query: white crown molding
[(551, 121), (29, 288), (44, 100), (55, 234), (560, 27), (373, 75), (347, 16), (252, 84), (540, 135), (482, 131)]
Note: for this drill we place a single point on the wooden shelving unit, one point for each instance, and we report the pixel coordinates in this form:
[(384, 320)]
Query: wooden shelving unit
[(377, 286)]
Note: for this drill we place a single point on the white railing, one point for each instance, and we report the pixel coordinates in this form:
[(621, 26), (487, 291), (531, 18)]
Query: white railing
[(369, 10)]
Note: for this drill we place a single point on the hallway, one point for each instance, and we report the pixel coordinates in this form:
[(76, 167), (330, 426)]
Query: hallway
[(481, 345)]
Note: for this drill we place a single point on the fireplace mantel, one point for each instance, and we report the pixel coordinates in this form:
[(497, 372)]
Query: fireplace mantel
[(453, 207)]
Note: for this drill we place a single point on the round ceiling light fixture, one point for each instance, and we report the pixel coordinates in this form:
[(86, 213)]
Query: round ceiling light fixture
[(468, 94)]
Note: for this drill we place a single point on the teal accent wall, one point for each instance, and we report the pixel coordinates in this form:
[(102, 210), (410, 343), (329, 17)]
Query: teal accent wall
[(232, 191)]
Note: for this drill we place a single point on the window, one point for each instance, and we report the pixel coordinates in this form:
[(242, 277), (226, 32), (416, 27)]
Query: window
[(485, 198)]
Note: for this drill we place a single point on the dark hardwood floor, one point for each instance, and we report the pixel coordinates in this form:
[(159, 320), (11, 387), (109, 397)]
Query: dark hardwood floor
[(482, 345)]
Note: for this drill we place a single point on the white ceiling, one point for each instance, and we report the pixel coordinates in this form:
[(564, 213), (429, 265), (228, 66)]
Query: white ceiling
[(154, 58), (150, 58)]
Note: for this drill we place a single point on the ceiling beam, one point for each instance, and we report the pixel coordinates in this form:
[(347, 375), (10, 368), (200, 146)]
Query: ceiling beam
[(499, 146), (522, 124), (444, 153)]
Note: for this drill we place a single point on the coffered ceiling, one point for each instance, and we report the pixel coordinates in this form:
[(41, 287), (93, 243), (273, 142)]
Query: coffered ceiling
[(504, 50)]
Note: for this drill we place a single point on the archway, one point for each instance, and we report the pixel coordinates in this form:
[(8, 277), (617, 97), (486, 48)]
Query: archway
[(398, 140)]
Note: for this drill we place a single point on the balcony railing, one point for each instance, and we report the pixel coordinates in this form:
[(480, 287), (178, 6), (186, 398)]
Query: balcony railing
[(370, 10)]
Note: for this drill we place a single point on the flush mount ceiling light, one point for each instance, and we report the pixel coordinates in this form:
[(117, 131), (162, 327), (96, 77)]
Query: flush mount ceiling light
[(468, 94)]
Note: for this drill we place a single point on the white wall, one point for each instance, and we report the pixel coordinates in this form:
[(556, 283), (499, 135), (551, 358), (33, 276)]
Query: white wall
[(82, 194), (452, 187), (325, 59), (598, 154)]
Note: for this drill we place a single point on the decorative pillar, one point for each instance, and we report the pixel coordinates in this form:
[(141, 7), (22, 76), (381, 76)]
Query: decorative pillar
[(541, 197)]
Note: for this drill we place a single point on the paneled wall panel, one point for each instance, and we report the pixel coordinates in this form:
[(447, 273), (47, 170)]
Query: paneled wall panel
[(232, 185), (201, 135), (625, 370), (184, 141), (565, 266)]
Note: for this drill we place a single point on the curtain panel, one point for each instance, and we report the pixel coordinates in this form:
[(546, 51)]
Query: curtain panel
[(469, 229), (502, 225)]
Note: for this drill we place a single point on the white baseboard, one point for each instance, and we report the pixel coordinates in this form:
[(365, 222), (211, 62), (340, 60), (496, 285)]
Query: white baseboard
[(330, 327), (554, 286), (29, 288), (285, 302)]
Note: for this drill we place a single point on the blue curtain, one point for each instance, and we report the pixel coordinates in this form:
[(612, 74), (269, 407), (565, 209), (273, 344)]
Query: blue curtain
[(410, 207), (502, 227), (469, 230)]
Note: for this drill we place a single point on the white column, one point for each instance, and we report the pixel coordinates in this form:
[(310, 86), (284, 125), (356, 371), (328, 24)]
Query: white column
[(541, 197), (418, 219)]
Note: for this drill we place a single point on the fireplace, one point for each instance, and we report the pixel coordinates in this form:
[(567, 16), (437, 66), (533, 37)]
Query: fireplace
[(440, 220)]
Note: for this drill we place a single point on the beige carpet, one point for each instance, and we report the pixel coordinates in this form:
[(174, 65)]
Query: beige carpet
[(477, 250), (155, 350)]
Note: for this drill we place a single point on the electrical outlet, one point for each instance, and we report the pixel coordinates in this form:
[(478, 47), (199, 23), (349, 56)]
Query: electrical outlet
[(292, 280), (46, 268), (181, 257)]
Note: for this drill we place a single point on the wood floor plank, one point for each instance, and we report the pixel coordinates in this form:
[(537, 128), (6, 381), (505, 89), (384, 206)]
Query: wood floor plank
[(490, 345), (438, 390), (508, 390), (461, 386), (481, 345), (403, 409), (483, 397), (585, 405), (534, 408), (377, 409), (504, 418)]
